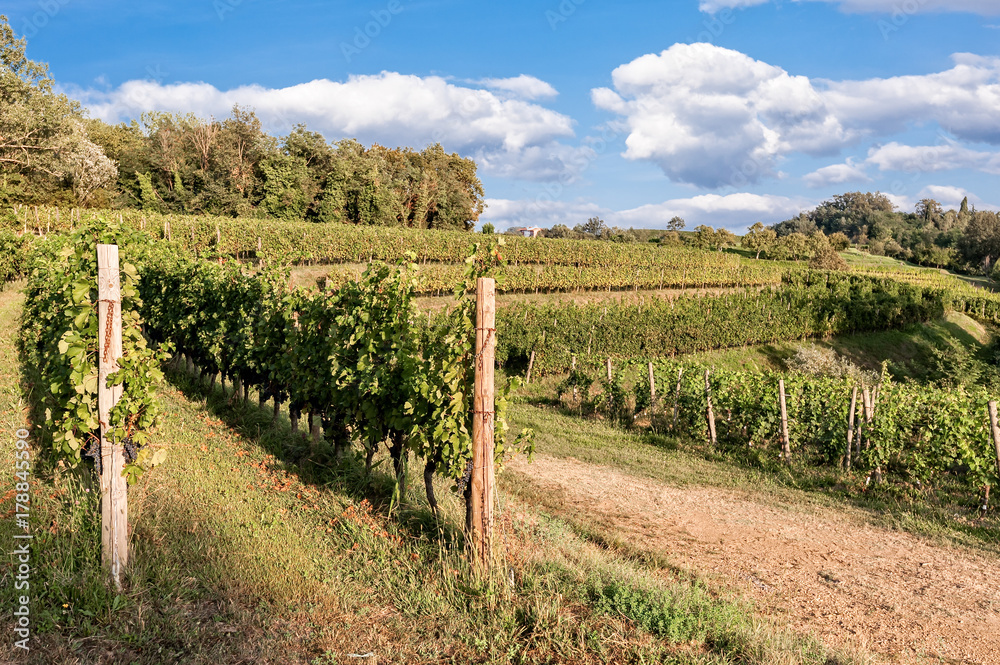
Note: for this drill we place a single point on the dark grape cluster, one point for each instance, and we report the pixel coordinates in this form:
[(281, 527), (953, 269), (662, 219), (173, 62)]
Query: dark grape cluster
[(463, 482), (131, 450), (93, 451)]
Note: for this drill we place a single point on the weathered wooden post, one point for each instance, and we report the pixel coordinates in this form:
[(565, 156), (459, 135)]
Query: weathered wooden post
[(711, 415), (786, 447), (652, 387), (114, 490), (677, 397), (531, 363), (482, 427), (995, 431), (850, 428)]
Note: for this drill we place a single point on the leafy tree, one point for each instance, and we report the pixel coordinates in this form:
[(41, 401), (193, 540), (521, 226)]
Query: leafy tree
[(704, 237), (795, 245), (675, 224), (724, 238), (759, 239), (594, 227), (929, 210), (839, 241), (488, 229)]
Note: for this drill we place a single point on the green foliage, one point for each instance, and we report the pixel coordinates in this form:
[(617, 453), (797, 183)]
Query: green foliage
[(355, 356), (58, 346), (677, 617), (809, 304), (13, 255)]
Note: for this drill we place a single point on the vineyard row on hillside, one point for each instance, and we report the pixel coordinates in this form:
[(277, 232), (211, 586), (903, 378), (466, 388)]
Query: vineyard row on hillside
[(821, 304), (916, 433), (296, 242)]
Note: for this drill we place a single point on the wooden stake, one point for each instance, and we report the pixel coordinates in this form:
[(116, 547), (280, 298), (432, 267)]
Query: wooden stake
[(531, 363), (786, 447), (609, 370), (572, 368), (711, 415), (677, 396), (482, 427), (995, 431), (114, 490), (867, 396), (652, 387), (850, 428)]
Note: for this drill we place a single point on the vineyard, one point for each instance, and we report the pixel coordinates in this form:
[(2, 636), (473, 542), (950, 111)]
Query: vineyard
[(373, 388), (906, 435)]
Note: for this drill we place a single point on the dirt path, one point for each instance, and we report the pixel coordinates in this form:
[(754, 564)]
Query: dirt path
[(824, 572)]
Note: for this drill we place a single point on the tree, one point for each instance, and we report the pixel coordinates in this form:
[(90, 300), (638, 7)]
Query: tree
[(488, 229), (796, 245), (839, 241), (724, 238), (827, 258), (594, 227), (929, 210), (759, 239), (89, 168), (38, 128), (675, 224), (704, 237)]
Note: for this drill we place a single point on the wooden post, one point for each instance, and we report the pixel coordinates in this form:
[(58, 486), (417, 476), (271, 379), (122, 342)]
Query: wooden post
[(652, 387), (866, 429), (850, 428), (677, 396), (609, 370), (114, 490), (711, 415), (531, 363), (572, 368), (786, 447), (482, 426), (995, 430)]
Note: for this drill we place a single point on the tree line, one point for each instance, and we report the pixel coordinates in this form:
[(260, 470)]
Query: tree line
[(52, 153), (966, 239)]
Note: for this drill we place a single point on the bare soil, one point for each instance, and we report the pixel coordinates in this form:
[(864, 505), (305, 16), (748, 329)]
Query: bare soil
[(828, 572)]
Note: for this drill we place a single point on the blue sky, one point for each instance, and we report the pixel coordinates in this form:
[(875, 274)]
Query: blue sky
[(725, 112)]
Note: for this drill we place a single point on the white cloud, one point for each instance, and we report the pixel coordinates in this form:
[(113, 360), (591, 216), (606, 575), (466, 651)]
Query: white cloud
[(713, 117), (735, 212), (523, 86), (836, 174), (388, 108), (951, 197), (984, 7), (928, 159), (506, 213)]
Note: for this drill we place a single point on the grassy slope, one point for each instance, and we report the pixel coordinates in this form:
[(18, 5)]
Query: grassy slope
[(246, 552)]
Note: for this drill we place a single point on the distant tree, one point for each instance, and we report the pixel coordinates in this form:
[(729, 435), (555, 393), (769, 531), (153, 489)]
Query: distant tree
[(675, 224), (488, 229), (759, 239), (724, 238), (795, 245), (839, 241), (559, 231), (827, 258), (704, 237), (929, 210), (594, 227)]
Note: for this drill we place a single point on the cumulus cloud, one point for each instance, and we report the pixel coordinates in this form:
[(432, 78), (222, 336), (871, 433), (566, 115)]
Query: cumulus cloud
[(735, 212), (712, 117), (523, 86), (951, 197), (983, 7), (836, 174), (928, 159), (542, 211), (388, 108)]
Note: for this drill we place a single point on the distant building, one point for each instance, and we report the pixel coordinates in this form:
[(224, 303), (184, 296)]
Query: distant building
[(529, 231)]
